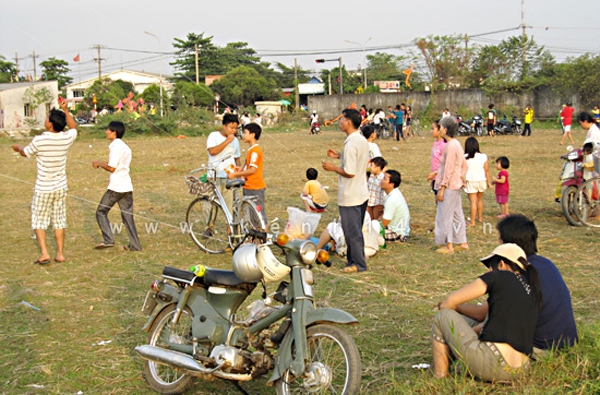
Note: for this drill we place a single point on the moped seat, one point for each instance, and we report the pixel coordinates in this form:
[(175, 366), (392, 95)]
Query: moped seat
[(235, 184), (211, 277)]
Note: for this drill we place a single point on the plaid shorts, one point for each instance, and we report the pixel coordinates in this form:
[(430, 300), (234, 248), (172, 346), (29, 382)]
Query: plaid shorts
[(390, 235), (49, 205)]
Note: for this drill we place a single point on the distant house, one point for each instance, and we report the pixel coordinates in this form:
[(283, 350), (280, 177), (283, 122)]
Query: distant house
[(17, 113), (313, 87), (140, 80)]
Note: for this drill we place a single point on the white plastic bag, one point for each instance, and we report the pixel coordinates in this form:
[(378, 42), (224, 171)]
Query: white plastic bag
[(301, 225)]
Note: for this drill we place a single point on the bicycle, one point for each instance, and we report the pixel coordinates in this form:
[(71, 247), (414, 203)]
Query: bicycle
[(383, 131), (587, 203), (210, 223)]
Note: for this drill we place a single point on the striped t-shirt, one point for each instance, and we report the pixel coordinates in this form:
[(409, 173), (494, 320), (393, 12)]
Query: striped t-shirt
[(50, 150)]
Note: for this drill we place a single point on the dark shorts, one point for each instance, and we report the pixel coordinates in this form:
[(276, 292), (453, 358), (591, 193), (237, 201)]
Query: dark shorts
[(490, 127)]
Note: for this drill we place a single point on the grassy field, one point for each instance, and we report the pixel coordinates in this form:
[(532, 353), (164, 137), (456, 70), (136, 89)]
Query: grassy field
[(82, 338)]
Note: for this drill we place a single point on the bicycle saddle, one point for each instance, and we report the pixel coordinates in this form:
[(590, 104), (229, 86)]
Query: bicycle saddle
[(235, 184)]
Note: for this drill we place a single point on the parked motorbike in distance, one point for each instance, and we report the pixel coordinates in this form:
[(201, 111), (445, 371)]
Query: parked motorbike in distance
[(196, 331), (464, 127), (504, 126), (477, 125), (570, 180)]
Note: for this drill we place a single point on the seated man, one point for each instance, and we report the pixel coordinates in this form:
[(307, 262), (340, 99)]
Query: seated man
[(556, 324), (333, 232), (396, 216)]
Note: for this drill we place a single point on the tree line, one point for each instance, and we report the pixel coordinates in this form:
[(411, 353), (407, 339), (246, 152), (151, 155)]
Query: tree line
[(517, 64)]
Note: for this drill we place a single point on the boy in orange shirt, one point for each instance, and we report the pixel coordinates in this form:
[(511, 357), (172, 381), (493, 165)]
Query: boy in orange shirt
[(252, 171)]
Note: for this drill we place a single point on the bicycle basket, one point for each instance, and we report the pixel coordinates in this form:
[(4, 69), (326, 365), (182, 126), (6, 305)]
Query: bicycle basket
[(198, 188)]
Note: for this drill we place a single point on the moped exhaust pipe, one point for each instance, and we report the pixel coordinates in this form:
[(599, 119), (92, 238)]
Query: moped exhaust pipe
[(183, 361), (173, 358)]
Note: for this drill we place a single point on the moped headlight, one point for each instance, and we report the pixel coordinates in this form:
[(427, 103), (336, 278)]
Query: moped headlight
[(308, 252)]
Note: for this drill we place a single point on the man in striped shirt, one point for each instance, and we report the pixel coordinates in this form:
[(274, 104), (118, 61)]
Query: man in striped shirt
[(50, 193)]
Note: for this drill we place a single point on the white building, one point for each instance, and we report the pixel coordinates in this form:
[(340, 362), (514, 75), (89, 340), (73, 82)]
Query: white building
[(140, 80), (24, 105)]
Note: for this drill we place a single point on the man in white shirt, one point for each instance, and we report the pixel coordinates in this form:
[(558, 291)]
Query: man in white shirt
[(224, 153), (353, 192), (50, 192), (120, 189), (396, 216)]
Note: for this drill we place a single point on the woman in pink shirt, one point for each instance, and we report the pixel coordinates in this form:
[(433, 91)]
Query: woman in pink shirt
[(450, 227), (436, 153)]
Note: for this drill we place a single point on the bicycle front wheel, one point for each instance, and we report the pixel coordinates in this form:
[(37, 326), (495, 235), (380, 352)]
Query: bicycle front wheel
[(588, 201), (250, 218), (208, 225)]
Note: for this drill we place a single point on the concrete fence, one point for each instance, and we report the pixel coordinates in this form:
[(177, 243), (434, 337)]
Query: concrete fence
[(467, 102)]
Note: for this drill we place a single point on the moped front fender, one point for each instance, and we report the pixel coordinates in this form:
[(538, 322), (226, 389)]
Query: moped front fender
[(313, 317)]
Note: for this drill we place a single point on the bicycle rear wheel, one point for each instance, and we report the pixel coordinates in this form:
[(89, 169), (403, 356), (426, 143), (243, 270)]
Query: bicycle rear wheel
[(208, 225), (250, 218), (385, 132), (588, 201)]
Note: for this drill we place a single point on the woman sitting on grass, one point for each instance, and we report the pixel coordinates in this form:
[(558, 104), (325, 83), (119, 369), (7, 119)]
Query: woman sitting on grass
[(497, 350)]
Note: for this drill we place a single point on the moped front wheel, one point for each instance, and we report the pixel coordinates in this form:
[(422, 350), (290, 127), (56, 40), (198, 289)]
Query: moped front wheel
[(163, 378), (334, 364), (568, 202), (207, 224)]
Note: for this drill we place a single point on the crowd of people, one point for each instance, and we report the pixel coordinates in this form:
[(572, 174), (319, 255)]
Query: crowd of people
[(528, 308)]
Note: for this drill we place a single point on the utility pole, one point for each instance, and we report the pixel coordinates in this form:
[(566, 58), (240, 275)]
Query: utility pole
[(524, 34), (341, 79), (296, 83), (197, 71), (99, 59), (34, 65), (17, 66)]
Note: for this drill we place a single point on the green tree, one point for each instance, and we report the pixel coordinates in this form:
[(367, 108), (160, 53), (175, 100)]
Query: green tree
[(188, 94), (284, 75), (579, 75), (35, 97), (384, 67), (108, 93), (151, 95), (212, 60), (8, 70), (517, 64), (243, 86), (56, 70), (446, 61), (350, 82)]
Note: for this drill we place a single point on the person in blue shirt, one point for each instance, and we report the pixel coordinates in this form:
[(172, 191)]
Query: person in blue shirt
[(399, 121), (556, 326)]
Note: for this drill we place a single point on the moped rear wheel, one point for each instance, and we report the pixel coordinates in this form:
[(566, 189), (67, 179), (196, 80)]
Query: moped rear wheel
[(163, 378), (568, 202), (334, 364), (208, 225), (588, 201)]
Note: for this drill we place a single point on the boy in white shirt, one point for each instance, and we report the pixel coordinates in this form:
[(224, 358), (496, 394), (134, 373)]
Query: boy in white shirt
[(120, 189)]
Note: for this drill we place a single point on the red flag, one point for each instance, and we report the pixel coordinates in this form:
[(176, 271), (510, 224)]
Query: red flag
[(76, 58)]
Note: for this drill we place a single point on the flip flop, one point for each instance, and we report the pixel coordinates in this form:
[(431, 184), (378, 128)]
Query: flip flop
[(43, 262), (102, 246), (444, 250), (57, 261)]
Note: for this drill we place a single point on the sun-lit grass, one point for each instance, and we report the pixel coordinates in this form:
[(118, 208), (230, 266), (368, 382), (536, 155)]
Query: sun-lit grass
[(97, 295)]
